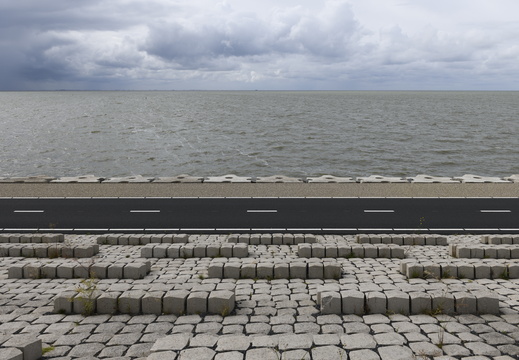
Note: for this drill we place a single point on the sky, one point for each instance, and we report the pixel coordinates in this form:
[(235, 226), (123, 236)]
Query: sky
[(259, 45)]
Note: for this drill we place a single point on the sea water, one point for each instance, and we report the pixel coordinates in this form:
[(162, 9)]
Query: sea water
[(259, 133)]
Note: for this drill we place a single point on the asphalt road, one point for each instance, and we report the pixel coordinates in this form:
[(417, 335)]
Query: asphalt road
[(224, 215)]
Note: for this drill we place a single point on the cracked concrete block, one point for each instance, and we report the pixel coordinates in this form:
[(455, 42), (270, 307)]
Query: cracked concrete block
[(231, 270), (465, 303), (421, 302), (265, 270), (487, 302), (174, 302), (152, 302), (196, 302), (376, 302), (248, 271), (398, 302), (281, 271), (63, 302), (315, 270), (28, 344), (352, 302), (240, 250), (330, 302), (298, 270), (442, 302), (221, 302), (130, 302), (332, 270)]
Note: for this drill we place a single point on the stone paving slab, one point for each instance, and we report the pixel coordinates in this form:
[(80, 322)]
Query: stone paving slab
[(266, 310)]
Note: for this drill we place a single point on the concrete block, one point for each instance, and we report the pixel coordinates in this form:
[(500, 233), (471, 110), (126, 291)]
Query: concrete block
[(513, 271), (507, 240), (465, 303), (418, 240), (397, 240), (10, 353), (231, 270), (240, 250), (462, 251), (255, 239), (398, 302), (84, 251), (15, 251), (298, 270), (277, 239), (200, 251), (441, 241), (384, 252), (32, 271), (186, 251), (352, 302), (491, 253), (52, 252), (85, 304), (477, 253), (63, 302), (370, 251), (397, 252), (304, 250), (146, 239), (362, 239), (130, 302), (173, 251), (487, 302), (344, 251), (113, 239), (494, 240), (174, 302), (213, 250), (28, 344), (265, 270), (442, 302), (332, 270), (14, 239), (482, 271), (331, 251), (180, 238), (81, 272), (330, 303), (101, 240), (124, 239), (266, 239), (408, 240), (99, 270), (248, 271), (414, 270), (514, 253), (232, 239), (385, 239), (515, 239), (288, 239), (357, 251), (299, 239), (432, 270), (310, 239), (134, 240), (466, 271), (318, 250), (226, 250), (27, 251), (147, 251), (152, 302), (315, 270), (48, 271), (65, 271), (197, 302), (160, 250), (449, 271), (430, 240), (244, 239), (503, 253), (221, 302), (215, 270), (282, 271), (498, 271), (421, 302), (167, 239), (134, 271), (67, 252), (115, 271), (376, 302)]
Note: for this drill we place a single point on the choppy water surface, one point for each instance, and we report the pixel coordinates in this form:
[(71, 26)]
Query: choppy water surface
[(259, 133)]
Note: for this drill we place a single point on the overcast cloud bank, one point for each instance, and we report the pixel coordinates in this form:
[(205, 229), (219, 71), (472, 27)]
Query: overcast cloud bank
[(203, 44)]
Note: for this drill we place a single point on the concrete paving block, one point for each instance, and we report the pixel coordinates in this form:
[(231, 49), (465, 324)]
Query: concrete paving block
[(318, 250), (298, 270), (160, 250), (215, 270), (32, 271), (231, 270), (266, 239), (134, 271), (397, 240), (442, 302), (507, 240), (310, 238), (166, 239), (357, 251), (115, 271), (174, 302), (503, 253), (282, 271), (277, 239), (352, 302), (229, 178), (78, 179), (255, 239), (487, 302), (449, 271), (362, 239), (397, 252), (265, 270), (52, 251), (83, 251), (48, 271), (432, 270), (381, 179), (11, 353), (330, 302), (514, 253), (124, 239), (376, 302), (430, 240), (408, 239), (196, 302), (331, 251), (477, 253), (370, 251), (147, 251), (482, 271), (515, 239), (513, 271), (67, 252), (213, 250), (232, 239), (421, 302), (278, 179), (27, 251), (315, 270), (107, 302), (14, 238), (113, 239), (226, 250), (200, 251), (65, 271), (465, 303), (414, 270), (375, 239), (85, 303), (182, 178), (299, 239), (329, 179), (441, 241), (244, 239), (418, 240), (81, 272), (15, 251), (63, 302), (240, 250), (288, 239), (498, 271), (221, 302), (28, 344), (304, 250), (398, 302), (173, 251), (186, 251), (152, 302), (491, 253), (344, 251), (180, 239), (102, 239), (130, 302), (466, 271), (332, 270), (385, 239), (248, 271), (384, 252)]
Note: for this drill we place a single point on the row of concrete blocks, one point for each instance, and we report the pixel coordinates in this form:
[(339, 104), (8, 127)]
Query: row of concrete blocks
[(21, 347), (316, 269), (48, 250), (142, 239), (411, 239), (271, 239), (31, 238), (336, 301), (135, 302), (500, 239), (496, 270), (349, 251), (484, 251), (36, 270), (194, 250)]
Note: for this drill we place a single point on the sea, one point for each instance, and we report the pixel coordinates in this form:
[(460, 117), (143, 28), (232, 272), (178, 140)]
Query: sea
[(259, 133)]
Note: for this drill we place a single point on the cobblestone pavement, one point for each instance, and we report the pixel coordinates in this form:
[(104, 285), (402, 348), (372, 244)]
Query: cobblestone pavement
[(273, 319)]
